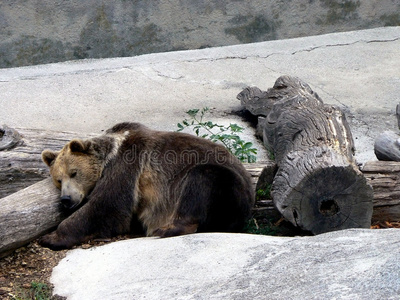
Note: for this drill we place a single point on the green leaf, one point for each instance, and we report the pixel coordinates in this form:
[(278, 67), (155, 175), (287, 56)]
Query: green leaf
[(253, 150), (251, 159), (227, 135), (209, 124), (204, 110), (247, 145), (235, 128), (193, 112)]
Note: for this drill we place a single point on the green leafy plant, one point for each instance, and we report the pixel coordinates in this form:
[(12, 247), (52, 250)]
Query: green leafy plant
[(227, 135), (264, 193), (254, 227), (37, 291), (40, 291)]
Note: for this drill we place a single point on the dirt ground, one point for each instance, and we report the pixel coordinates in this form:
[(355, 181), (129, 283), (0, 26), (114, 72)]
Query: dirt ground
[(34, 264), (28, 264)]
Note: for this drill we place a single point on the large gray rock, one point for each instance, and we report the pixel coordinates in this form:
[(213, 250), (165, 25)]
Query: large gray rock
[(350, 264)]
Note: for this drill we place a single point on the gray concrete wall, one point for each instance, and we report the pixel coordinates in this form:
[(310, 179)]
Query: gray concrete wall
[(36, 31)]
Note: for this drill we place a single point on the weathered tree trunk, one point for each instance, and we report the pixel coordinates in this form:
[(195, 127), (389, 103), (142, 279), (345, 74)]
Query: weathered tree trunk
[(28, 214), (31, 212), (29, 205), (318, 185), (387, 146), (20, 156), (384, 176)]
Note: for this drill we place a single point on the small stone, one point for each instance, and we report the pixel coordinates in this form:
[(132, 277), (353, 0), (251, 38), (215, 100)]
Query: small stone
[(86, 246), (26, 286), (5, 290)]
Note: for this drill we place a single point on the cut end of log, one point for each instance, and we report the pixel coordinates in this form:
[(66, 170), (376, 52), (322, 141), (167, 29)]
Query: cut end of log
[(323, 199)]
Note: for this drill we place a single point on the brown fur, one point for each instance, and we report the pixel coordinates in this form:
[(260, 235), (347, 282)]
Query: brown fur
[(169, 183)]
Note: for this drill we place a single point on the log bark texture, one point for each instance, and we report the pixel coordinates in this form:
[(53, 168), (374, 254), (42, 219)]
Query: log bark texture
[(384, 176), (387, 146), (28, 214), (20, 156), (318, 185)]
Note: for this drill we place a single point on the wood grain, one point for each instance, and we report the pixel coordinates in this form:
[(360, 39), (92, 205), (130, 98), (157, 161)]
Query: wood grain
[(318, 186)]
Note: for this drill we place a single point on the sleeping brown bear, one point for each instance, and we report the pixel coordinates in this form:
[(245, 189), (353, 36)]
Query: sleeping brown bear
[(168, 183)]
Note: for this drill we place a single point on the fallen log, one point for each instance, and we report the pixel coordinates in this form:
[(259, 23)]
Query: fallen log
[(318, 186), (28, 214), (33, 211), (384, 177), (28, 199), (36, 210)]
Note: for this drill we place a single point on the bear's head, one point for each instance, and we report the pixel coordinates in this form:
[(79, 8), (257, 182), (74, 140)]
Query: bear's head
[(75, 170)]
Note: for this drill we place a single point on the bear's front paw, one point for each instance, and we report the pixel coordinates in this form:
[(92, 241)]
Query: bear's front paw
[(54, 242)]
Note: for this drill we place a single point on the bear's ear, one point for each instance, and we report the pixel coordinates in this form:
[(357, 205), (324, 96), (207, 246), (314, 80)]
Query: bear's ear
[(77, 145), (49, 156)]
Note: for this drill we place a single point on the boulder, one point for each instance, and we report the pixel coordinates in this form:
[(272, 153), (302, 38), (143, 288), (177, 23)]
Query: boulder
[(348, 264)]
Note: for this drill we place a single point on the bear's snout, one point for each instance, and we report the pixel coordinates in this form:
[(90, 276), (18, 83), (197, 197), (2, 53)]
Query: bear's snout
[(67, 202)]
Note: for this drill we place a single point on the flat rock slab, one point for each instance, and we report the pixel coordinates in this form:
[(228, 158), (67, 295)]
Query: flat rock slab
[(349, 264)]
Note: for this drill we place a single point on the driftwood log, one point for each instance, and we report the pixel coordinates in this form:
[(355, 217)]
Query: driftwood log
[(318, 186), (33, 211), (29, 202), (28, 213)]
